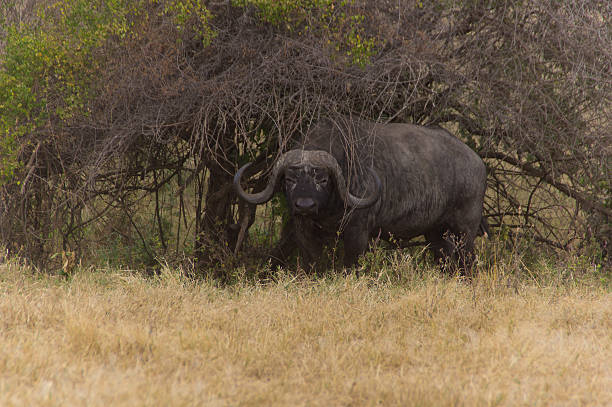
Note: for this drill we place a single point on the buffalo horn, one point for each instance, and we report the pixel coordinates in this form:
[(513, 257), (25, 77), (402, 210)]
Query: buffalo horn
[(314, 158), (265, 195)]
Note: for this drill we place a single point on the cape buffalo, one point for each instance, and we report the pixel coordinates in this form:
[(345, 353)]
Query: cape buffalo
[(406, 180)]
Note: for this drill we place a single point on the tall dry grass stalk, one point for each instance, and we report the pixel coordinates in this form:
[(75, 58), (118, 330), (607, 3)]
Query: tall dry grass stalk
[(113, 338)]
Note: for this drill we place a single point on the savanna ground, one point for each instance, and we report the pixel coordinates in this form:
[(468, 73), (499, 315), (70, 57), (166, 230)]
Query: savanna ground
[(122, 123), (402, 334)]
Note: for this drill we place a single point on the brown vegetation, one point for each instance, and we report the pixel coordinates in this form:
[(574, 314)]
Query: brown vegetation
[(526, 84)]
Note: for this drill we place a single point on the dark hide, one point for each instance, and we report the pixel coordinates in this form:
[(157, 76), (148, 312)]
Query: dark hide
[(432, 185)]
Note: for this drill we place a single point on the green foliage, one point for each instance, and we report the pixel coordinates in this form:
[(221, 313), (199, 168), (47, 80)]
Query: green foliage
[(191, 15), (325, 17), (288, 13), (47, 68), (359, 46)]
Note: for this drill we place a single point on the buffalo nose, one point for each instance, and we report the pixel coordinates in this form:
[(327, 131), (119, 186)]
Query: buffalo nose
[(305, 204)]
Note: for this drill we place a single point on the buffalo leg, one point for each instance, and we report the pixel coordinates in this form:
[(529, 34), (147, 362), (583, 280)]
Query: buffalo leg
[(355, 244), (465, 253), (453, 251), (312, 255), (442, 247), (466, 226), (285, 247)]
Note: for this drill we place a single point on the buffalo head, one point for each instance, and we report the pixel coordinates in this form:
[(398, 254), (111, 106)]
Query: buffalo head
[(308, 179)]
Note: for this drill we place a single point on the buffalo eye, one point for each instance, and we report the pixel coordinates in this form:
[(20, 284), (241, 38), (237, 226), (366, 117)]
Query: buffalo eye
[(322, 181), (289, 182)]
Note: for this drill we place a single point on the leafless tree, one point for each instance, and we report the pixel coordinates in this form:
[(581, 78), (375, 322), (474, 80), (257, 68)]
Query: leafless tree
[(528, 85)]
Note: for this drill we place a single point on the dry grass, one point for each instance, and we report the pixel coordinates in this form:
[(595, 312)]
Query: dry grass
[(114, 338)]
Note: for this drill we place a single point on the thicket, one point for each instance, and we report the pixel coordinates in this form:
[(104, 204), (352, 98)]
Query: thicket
[(122, 122)]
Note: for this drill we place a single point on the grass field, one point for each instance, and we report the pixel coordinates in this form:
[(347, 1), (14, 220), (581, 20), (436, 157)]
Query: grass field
[(113, 338)]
